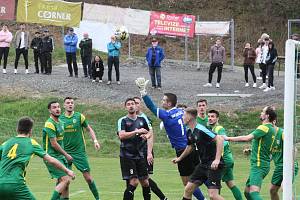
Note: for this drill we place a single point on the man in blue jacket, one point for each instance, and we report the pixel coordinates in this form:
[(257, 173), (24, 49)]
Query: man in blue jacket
[(113, 49), (154, 56), (70, 42)]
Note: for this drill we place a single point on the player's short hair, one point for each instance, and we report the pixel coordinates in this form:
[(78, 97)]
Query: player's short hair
[(180, 105), (214, 112), (202, 100), (172, 98), (50, 103), (67, 98), (192, 111), (271, 112), (25, 124), (128, 99), (139, 98)]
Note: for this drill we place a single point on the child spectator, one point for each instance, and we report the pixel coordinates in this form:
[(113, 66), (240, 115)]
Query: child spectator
[(97, 69)]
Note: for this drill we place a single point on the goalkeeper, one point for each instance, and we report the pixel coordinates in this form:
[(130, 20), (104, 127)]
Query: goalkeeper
[(172, 120)]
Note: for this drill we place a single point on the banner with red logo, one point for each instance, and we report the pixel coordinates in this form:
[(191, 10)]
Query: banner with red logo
[(172, 24), (7, 9)]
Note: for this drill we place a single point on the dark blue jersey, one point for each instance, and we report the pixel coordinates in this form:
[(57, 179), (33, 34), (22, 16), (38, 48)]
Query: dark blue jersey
[(149, 122), (203, 141), (173, 123), (133, 147)]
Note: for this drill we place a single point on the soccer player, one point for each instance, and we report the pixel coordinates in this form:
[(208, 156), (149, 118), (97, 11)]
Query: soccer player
[(210, 147), (53, 135), (15, 155), (74, 141), (201, 109), (148, 150), (132, 130), (277, 157), (175, 129), (262, 140), (227, 177)]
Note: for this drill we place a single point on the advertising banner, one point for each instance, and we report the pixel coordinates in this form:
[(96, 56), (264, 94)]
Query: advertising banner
[(172, 24), (49, 12), (212, 28), (136, 21), (7, 9)]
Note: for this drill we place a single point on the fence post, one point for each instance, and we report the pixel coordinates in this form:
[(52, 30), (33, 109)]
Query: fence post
[(186, 43), (232, 43), (198, 47), (129, 47)]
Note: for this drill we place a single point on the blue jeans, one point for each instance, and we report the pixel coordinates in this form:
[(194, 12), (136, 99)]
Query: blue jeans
[(155, 76)]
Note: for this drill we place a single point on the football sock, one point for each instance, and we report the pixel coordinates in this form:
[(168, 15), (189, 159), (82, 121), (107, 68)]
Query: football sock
[(255, 196), (94, 190), (183, 198), (247, 195), (129, 192), (55, 195), (147, 193), (198, 194), (155, 189), (236, 193)]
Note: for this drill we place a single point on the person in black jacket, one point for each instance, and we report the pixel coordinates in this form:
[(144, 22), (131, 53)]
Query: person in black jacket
[(97, 69), (86, 47), (36, 46), (270, 61), (46, 52)]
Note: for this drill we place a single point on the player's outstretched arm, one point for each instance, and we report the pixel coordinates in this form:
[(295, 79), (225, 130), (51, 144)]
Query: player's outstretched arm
[(93, 136), (219, 144), (188, 149), (243, 138), (58, 165), (58, 148)]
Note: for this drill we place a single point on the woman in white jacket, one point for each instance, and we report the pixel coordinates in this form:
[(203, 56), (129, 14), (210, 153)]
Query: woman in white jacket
[(5, 40)]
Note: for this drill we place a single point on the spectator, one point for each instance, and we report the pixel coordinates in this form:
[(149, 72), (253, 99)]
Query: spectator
[(249, 60), (46, 52), (218, 58), (36, 46), (86, 47), (22, 46), (113, 49), (154, 56), (297, 53), (5, 40), (262, 64), (97, 69), (270, 61), (258, 50), (70, 42)]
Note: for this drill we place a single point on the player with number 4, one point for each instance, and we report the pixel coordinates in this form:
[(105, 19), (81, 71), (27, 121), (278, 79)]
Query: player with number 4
[(173, 123)]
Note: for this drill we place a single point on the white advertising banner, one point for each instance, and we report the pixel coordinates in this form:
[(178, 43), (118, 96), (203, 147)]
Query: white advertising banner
[(99, 32), (136, 21), (212, 28)]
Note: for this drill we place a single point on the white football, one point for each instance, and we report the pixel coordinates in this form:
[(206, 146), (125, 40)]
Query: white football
[(122, 33)]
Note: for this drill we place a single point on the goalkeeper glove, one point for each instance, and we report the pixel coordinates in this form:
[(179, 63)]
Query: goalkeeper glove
[(142, 84)]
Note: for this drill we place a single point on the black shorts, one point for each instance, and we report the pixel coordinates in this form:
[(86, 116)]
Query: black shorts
[(186, 166), (133, 168), (211, 178)]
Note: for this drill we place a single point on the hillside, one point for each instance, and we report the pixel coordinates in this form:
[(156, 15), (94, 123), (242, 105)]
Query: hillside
[(251, 19)]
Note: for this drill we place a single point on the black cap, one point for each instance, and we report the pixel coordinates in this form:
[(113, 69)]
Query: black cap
[(71, 29), (46, 30), (154, 40)]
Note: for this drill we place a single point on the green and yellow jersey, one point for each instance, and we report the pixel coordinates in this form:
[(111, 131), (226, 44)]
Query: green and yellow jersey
[(262, 145), (53, 129), (227, 154), (277, 150), (203, 121), (15, 156), (74, 125)]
